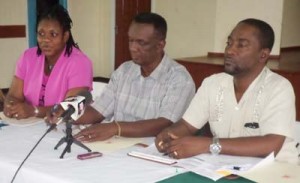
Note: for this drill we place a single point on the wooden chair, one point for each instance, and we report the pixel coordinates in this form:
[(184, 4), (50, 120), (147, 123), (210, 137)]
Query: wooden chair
[(98, 87), (297, 132), (2, 96)]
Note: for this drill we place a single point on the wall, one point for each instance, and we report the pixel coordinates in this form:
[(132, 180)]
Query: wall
[(195, 27), (190, 26), (290, 35), (229, 12), (93, 23), (12, 12)]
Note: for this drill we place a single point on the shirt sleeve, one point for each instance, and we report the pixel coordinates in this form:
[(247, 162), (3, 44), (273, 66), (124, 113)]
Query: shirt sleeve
[(20, 71), (197, 113), (81, 73), (106, 101), (279, 114), (180, 92)]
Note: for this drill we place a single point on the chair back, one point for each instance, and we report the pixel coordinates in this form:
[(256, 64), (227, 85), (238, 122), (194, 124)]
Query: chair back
[(98, 88), (297, 137), (2, 96), (297, 131)]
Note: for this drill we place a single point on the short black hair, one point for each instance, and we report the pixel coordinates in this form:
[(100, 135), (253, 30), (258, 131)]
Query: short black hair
[(59, 13), (266, 33), (159, 23)]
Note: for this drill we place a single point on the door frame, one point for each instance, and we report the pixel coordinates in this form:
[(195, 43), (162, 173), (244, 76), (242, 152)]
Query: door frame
[(125, 10)]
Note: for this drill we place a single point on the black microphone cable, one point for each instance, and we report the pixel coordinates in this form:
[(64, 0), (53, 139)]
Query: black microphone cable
[(50, 128), (71, 110)]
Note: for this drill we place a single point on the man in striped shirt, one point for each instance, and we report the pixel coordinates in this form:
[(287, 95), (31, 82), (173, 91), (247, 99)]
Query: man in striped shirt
[(144, 95)]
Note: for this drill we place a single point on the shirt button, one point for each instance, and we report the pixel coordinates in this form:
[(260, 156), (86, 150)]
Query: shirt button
[(237, 108)]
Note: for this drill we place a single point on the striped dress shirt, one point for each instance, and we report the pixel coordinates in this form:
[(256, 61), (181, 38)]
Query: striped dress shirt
[(129, 96)]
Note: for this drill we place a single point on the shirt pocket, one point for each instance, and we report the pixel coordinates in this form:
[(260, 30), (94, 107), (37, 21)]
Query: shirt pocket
[(251, 129)]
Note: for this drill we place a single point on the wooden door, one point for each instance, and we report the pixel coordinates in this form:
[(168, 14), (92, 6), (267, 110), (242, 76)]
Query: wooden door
[(125, 11)]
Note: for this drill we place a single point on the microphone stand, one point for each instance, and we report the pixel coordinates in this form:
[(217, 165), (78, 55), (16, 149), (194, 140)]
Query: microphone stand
[(69, 139)]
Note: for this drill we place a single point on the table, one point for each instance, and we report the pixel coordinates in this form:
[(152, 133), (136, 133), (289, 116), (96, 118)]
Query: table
[(190, 177), (45, 166)]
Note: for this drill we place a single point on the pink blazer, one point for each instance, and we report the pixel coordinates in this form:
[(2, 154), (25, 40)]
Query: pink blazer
[(68, 72)]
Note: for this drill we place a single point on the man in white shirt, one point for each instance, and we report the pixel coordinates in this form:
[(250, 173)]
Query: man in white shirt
[(250, 109)]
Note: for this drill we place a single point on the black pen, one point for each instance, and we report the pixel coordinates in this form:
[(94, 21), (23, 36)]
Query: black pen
[(239, 168), (236, 168)]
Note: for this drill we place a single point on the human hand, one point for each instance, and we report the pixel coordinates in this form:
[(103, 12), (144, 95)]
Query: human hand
[(7, 108), (53, 115), (18, 110), (82, 122), (187, 146), (163, 138), (97, 132)]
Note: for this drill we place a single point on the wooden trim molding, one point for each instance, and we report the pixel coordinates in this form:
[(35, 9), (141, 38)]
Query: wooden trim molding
[(101, 79), (218, 54), (291, 48), (12, 31), (215, 54)]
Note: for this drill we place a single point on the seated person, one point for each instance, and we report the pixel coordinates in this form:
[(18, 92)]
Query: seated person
[(47, 74), (144, 95), (250, 109)]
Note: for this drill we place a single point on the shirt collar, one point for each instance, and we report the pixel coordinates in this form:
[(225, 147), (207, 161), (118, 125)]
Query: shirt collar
[(161, 68), (260, 79), (158, 71)]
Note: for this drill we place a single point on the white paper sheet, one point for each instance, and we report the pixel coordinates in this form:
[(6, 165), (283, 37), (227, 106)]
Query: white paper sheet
[(113, 144), (216, 167), (275, 172), (210, 166)]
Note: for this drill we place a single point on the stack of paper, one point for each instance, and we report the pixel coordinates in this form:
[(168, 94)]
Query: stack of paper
[(213, 167), (151, 153), (114, 144)]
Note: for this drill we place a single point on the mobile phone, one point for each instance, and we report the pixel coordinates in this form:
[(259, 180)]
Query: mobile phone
[(89, 155)]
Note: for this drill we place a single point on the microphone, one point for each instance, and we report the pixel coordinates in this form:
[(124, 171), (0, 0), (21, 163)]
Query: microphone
[(73, 107)]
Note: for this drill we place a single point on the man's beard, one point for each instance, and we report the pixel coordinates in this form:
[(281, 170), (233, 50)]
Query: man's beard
[(232, 70)]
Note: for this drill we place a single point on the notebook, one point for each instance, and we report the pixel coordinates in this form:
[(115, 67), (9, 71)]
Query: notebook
[(152, 154)]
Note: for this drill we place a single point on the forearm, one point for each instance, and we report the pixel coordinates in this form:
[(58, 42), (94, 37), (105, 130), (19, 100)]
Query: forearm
[(90, 116), (181, 129), (15, 92), (252, 146), (11, 99), (143, 128), (42, 111)]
